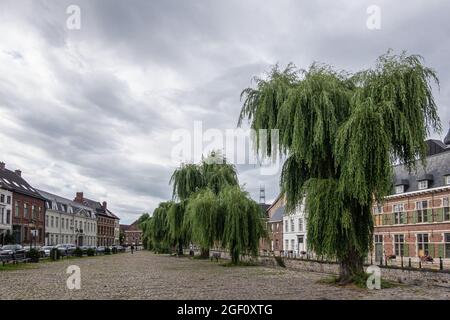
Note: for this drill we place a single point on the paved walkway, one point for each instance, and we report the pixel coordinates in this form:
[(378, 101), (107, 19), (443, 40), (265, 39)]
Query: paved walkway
[(148, 276)]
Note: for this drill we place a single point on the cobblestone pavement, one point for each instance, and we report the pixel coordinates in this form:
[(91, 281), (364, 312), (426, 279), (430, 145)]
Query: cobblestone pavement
[(148, 276)]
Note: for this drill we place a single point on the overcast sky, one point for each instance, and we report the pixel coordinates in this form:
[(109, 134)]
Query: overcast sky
[(94, 109)]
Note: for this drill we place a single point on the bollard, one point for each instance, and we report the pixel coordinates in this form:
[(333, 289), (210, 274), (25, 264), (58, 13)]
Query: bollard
[(409, 262), (401, 258), (441, 264), (420, 264), (381, 261)]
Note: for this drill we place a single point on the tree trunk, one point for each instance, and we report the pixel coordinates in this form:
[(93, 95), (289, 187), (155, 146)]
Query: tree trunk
[(350, 266), (234, 256), (204, 253), (180, 248)]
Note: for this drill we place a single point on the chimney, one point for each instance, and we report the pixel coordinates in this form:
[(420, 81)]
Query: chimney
[(18, 172), (104, 205), (79, 197), (2, 165)]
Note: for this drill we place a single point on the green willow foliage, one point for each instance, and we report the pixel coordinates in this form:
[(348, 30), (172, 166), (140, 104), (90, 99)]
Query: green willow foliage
[(186, 180), (243, 226), (341, 133), (205, 218), (158, 228)]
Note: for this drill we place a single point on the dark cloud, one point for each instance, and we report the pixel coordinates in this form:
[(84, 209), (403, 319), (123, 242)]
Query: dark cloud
[(93, 109)]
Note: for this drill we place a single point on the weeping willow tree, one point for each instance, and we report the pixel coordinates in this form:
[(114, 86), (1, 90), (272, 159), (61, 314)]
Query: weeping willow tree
[(341, 132), (243, 226), (157, 229), (205, 219), (143, 223), (190, 183), (178, 233)]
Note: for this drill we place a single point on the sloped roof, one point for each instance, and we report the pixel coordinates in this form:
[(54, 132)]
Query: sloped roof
[(278, 214), (437, 167), (78, 208), (12, 181)]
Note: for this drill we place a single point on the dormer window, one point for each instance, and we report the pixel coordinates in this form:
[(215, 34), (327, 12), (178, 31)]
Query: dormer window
[(423, 184), (447, 179), (399, 189)]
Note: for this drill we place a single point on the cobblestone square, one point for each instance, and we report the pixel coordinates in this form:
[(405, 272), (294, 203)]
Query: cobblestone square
[(145, 275)]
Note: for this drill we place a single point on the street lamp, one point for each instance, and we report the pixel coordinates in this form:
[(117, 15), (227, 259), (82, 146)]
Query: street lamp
[(32, 226)]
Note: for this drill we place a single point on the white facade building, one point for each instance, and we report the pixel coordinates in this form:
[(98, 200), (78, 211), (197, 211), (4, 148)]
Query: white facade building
[(67, 221), (294, 233), (5, 214)]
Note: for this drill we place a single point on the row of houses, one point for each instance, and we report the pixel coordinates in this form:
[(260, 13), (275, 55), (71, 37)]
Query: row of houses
[(413, 221), (30, 216)]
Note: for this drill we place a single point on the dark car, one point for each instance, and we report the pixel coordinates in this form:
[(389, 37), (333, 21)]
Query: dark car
[(12, 250)]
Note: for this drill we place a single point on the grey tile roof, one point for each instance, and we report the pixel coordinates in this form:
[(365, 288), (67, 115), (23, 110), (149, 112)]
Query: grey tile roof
[(11, 181), (437, 167), (77, 207), (278, 215)]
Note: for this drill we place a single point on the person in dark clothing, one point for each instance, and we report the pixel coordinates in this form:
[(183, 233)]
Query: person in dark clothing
[(132, 249)]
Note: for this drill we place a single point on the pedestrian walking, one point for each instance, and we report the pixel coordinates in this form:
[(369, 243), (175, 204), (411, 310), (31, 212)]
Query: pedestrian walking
[(132, 249)]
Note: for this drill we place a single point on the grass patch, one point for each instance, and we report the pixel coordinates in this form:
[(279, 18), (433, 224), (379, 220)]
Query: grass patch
[(18, 266), (359, 281)]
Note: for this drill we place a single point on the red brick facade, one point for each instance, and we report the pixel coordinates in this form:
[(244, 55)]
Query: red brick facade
[(28, 213), (414, 232), (274, 242)]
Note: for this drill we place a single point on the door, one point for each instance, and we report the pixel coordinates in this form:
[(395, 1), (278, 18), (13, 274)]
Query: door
[(378, 247), (301, 244)]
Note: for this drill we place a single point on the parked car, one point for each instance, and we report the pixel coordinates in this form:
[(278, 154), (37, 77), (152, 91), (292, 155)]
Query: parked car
[(100, 249), (120, 248), (12, 249), (47, 250), (65, 248)]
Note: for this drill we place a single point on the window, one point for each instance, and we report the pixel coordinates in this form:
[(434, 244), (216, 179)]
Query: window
[(400, 189), (33, 212), (57, 222), (52, 220), (423, 184), (16, 209), (286, 244), (398, 213), (39, 213), (25, 210), (292, 244), (300, 224), (378, 209), (421, 207), (447, 179), (46, 221), (286, 227), (8, 199), (378, 238), (2, 212), (2, 198), (446, 205), (62, 223), (422, 244), (8, 216), (399, 241), (447, 244), (292, 225)]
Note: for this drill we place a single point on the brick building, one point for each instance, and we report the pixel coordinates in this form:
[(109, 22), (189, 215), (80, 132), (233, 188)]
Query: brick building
[(107, 234), (274, 224), (415, 219), (28, 208), (133, 235)]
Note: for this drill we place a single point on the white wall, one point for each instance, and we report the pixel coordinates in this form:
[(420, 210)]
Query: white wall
[(291, 235)]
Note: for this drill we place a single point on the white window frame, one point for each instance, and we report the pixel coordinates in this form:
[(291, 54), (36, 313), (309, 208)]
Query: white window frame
[(399, 189), (447, 179), (422, 185)]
